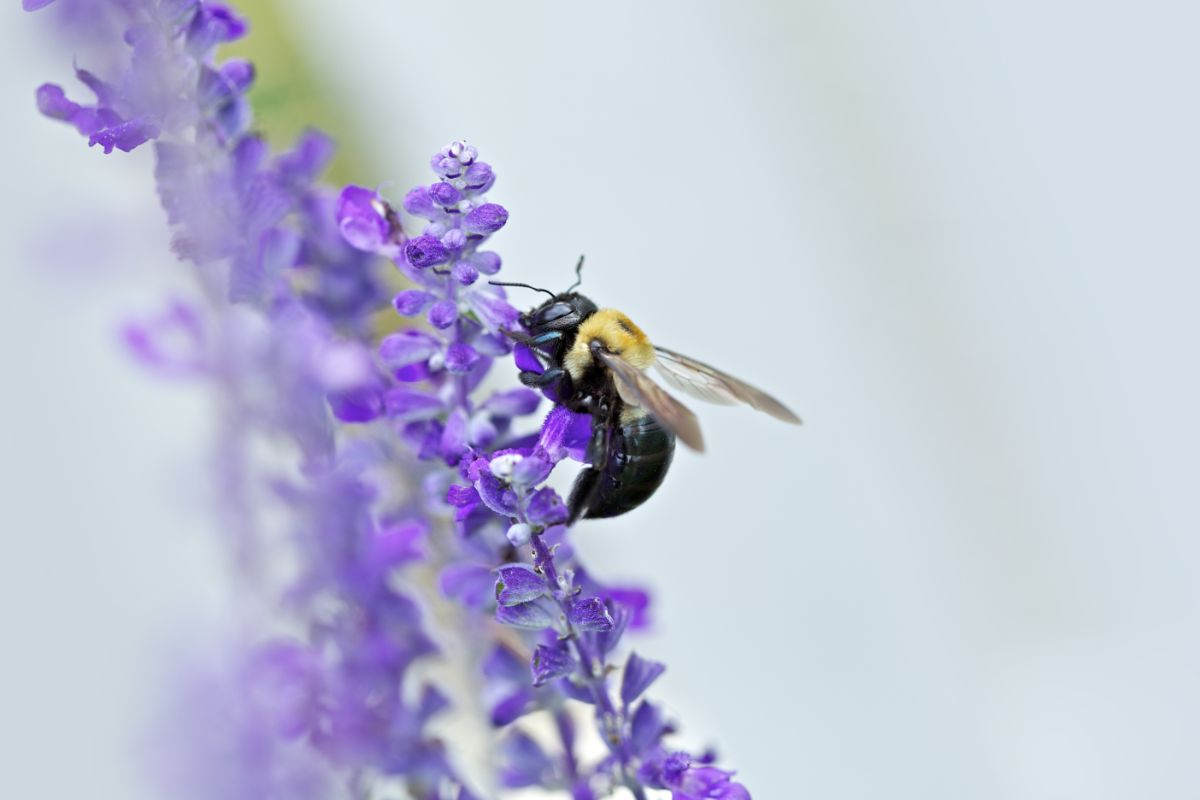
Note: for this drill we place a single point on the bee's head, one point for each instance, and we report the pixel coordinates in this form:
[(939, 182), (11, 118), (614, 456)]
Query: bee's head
[(560, 312)]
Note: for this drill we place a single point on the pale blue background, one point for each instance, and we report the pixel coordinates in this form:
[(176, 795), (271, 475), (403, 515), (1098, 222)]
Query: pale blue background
[(960, 238)]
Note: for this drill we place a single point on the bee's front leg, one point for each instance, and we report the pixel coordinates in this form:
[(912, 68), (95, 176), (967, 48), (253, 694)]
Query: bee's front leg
[(555, 376)]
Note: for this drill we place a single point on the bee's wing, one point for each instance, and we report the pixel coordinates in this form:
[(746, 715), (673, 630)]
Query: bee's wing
[(637, 388), (709, 383)]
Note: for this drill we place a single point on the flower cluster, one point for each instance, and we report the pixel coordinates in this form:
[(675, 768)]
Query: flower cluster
[(405, 472), (571, 625)]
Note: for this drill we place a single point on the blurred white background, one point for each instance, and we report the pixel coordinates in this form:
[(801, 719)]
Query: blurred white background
[(959, 238)]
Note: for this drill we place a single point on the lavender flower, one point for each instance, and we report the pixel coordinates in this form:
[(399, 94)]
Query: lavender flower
[(395, 462)]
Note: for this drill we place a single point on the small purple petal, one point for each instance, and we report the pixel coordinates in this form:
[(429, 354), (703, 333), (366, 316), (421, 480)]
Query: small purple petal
[(464, 273), (425, 251), (238, 73), (550, 663), (412, 301), (125, 136), (591, 615), (639, 674), (34, 5), (647, 727), (634, 600), (526, 361), (419, 203), (399, 543), (52, 102), (308, 159), (445, 195), (356, 405), (565, 433), (493, 311), (460, 358), (404, 405), (512, 707), (546, 508), (496, 495), (443, 314), (479, 177), (488, 218), (526, 616), (518, 583), (469, 584), (460, 496), (486, 262), (454, 436), (513, 402), (481, 432), (408, 347), (502, 664), (523, 762), (531, 470)]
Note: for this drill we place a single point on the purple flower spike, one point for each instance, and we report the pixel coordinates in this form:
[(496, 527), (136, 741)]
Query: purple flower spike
[(518, 583), (591, 615), (425, 251), (550, 663), (639, 674), (488, 218)]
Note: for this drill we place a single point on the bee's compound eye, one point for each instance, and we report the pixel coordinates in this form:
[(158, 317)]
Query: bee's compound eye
[(553, 312)]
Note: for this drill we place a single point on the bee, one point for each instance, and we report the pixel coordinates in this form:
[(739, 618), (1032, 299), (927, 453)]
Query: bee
[(596, 361)]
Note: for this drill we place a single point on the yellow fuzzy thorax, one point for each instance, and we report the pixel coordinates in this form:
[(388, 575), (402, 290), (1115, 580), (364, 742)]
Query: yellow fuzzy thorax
[(617, 333)]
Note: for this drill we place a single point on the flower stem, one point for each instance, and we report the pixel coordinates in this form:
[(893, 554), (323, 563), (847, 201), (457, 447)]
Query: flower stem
[(591, 665)]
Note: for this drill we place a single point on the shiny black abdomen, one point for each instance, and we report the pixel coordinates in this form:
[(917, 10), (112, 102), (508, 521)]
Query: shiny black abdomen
[(638, 456)]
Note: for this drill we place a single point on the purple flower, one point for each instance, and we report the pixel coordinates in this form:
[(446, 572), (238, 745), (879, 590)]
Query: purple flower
[(368, 223), (688, 782)]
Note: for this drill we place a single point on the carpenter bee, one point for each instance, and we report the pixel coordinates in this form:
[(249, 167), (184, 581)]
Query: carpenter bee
[(596, 362)]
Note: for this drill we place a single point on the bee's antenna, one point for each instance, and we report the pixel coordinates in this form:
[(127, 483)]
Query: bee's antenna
[(523, 286), (578, 276)]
